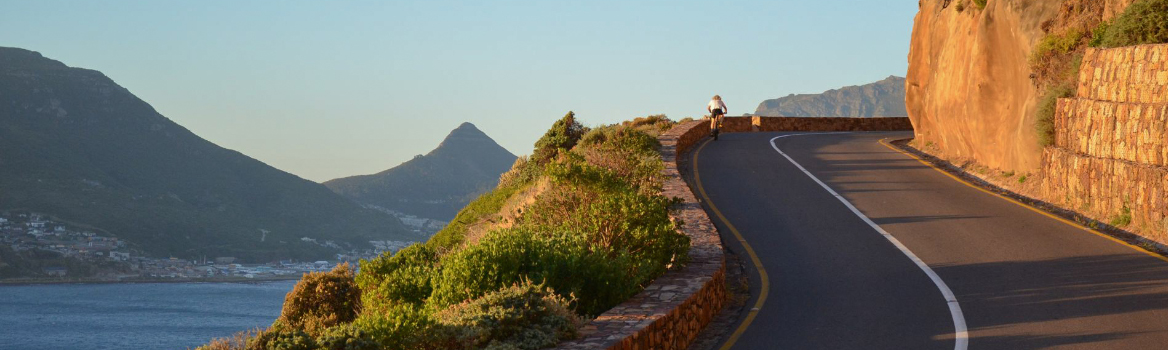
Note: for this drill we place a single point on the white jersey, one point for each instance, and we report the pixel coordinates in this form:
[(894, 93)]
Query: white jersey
[(717, 104)]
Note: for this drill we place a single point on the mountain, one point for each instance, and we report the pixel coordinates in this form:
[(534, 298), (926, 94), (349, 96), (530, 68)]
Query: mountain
[(78, 147), (438, 184), (884, 98)]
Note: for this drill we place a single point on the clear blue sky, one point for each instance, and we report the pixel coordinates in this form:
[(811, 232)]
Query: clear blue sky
[(326, 89)]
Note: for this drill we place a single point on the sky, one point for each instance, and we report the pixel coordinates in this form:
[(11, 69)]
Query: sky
[(328, 89)]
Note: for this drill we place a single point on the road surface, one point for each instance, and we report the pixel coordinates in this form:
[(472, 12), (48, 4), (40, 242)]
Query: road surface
[(1020, 279)]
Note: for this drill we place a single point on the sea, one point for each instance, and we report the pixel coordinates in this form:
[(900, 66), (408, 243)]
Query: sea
[(133, 316)]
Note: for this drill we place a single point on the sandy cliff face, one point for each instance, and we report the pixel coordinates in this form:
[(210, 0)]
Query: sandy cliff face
[(968, 89)]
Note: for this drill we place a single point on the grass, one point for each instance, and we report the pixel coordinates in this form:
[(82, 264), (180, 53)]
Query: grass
[(1123, 218), (1022, 179)]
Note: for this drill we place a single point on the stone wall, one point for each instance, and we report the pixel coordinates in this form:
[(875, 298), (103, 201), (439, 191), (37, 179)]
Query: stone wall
[(672, 310), (1110, 148), (1127, 131), (746, 124), (1137, 74)]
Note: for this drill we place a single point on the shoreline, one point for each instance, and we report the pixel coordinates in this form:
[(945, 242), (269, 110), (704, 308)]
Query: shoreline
[(29, 282)]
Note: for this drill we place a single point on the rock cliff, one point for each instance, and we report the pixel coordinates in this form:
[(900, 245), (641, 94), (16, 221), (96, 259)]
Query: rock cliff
[(969, 88)]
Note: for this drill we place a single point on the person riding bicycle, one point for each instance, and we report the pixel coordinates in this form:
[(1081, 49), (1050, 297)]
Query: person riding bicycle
[(717, 110)]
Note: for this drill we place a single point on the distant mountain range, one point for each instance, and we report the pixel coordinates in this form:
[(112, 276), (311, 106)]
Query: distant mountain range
[(884, 98), (436, 185), (75, 145)]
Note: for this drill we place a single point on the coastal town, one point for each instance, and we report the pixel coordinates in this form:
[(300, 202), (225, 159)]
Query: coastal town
[(37, 248)]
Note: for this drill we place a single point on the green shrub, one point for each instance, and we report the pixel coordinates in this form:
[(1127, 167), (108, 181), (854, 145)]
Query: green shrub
[(960, 6), (1047, 106), (346, 337), (561, 137), (321, 300), (1122, 219), (523, 316), (282, 339), (1144, 22), (981, 4), (1056, 44), (1098, 33), (403, 326), (403, 277)]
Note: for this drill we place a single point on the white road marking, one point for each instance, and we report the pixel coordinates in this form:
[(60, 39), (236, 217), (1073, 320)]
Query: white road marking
[(960, 331)]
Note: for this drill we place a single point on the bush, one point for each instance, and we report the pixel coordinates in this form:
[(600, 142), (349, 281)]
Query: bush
[(403, 327), (347, 337), (397, 278), (561, 137), (321, 300), (1055, 44), (524, 316), (1144, 22), (1047, 107), (282, 339), (981, 4)]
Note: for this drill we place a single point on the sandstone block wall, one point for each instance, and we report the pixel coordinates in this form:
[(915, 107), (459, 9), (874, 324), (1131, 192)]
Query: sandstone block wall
[(1137, 74), (1111, 141), (1101, 187), (1134, 132)]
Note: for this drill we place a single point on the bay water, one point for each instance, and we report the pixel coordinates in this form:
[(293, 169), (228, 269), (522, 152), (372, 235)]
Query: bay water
[(133, 316)]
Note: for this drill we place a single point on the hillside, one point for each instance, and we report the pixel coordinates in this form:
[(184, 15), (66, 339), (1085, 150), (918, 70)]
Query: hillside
[(884, 98), (438, 184), (76, 146)]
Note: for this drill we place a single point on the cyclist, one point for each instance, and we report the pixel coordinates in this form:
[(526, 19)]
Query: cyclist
[(717, 110)]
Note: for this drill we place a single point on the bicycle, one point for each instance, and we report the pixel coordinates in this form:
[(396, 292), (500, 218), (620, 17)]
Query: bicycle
[(717, 127)]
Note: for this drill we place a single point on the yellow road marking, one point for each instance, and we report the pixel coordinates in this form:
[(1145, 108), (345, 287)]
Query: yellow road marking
[(764, 281), (1015, 201)]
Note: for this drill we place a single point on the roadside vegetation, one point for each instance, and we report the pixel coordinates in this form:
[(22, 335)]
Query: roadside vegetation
[(570, 232), (1057, 59)]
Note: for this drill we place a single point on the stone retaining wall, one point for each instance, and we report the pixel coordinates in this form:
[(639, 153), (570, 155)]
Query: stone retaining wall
[(1137, 74), (746, 124), (1111, 141), (1126, 131), (671, 312), (1101, 187)]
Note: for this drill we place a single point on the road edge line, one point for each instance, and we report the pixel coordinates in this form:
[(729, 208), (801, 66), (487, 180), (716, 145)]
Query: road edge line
[(1024, 205), (764, 279), (960, 331)]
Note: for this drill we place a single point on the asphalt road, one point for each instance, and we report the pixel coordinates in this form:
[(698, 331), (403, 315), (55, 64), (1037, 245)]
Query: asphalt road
[(1022, 280)]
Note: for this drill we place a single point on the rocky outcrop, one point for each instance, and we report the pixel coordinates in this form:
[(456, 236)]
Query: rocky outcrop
[(968, 89), (884, 98)]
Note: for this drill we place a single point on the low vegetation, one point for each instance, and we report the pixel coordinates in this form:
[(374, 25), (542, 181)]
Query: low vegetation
[(593, 230), (1144, 22), (1056, 60), (1047, 106)]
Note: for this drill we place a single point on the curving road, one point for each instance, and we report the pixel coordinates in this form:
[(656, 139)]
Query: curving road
[(1019, 279)]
